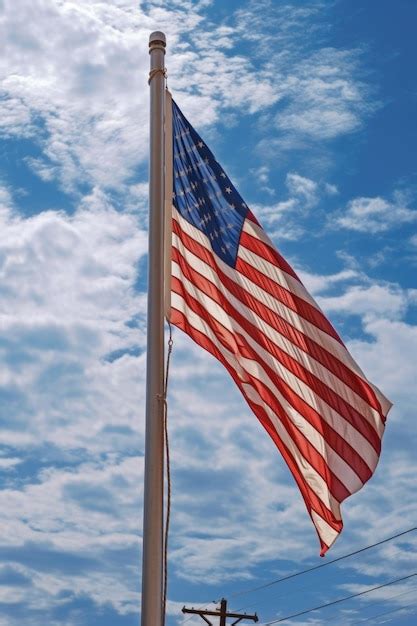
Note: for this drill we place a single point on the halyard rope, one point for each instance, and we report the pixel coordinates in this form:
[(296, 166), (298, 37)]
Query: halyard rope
[(168, 472)]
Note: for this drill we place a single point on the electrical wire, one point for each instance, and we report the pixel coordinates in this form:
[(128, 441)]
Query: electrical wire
[(316, 567), (306, 571), (332, 618), (399, 608), (276, 596), (354, 595)]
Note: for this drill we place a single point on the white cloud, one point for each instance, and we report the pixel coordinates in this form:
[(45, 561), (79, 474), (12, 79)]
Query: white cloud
[(82, 90), (374, 215), (382, 301), (321, 92), (317, 283), (9, 463), (330, 100), (77, 514), (284, 219), (69, 284), (391, 357)]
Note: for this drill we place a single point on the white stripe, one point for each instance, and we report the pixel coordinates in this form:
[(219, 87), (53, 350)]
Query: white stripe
[(339, 467), (293, 285), (325, 340), (269, 269), (310, 330), (312, 478), (258, 232), (317, 484), (355, 439), (303, 358), (326, 532)]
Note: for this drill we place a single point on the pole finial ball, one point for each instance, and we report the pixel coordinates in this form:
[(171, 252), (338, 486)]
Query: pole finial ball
[(157, 38)]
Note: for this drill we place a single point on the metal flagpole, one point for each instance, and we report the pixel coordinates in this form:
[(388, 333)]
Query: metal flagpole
[(153, 515)]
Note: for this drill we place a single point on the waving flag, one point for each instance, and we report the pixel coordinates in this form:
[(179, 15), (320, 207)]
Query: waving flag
[(236, 296)]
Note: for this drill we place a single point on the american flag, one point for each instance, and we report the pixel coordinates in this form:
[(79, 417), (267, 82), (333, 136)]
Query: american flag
[(238, 298)]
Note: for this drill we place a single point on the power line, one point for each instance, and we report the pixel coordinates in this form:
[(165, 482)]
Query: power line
[(310, 569), (354, 595), (301, 589), (316, 567), (371, 604), (284, 594), (399, 608)]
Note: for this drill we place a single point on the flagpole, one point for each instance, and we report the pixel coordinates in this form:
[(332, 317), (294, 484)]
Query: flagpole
[(153, 514)]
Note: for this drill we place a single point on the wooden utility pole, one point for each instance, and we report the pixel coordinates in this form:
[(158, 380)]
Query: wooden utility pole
[(221, 613)]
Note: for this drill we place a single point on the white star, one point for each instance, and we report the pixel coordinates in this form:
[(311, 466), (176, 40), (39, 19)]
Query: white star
[(228, 190), (200, 144), (223, 175)]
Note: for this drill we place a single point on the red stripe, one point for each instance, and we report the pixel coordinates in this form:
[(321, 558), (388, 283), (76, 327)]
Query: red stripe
[(312, 501), (267, 252), (302, 341), (328, 395), (339, 491), (237, 344), (303, 308)]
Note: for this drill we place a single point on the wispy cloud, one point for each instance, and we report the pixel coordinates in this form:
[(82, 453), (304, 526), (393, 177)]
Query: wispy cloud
[(323, 93), (375, 215), (287, 219)]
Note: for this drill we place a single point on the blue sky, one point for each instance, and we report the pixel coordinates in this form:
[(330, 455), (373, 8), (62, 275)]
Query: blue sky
[(310, 108)]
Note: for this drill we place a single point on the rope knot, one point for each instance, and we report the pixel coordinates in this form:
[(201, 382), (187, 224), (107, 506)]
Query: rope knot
[(153, 73)]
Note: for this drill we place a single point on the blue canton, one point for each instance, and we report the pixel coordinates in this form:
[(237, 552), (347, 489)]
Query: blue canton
[(203, 194)]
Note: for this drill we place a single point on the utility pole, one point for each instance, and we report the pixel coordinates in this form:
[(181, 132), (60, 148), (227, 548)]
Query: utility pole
[(221, 613)]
